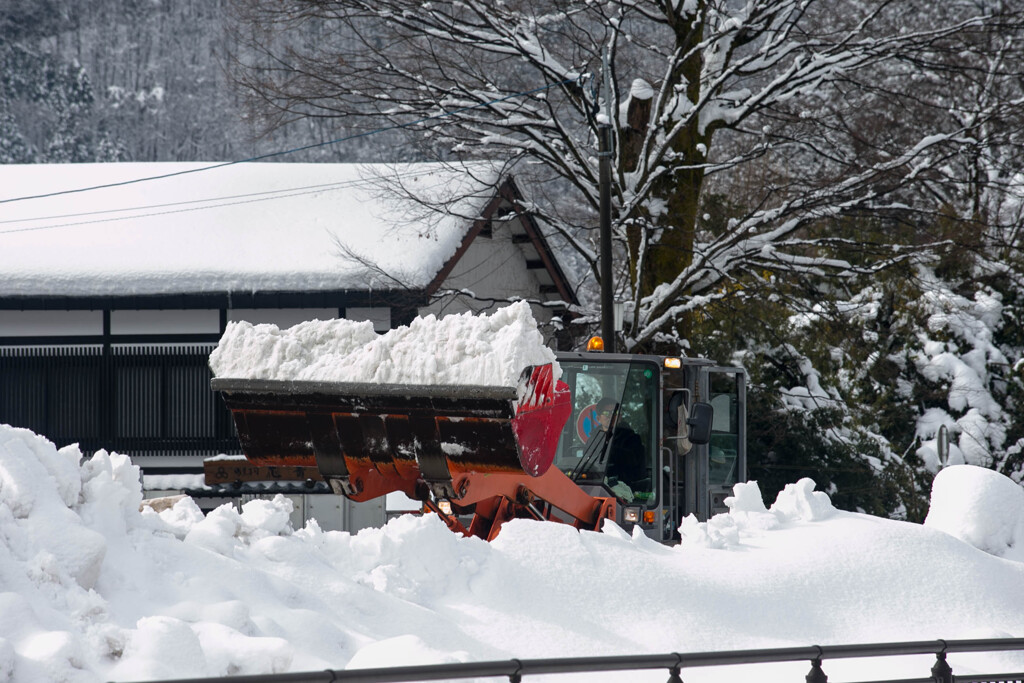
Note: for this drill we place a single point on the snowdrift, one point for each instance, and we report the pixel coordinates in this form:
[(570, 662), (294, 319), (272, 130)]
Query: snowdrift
[(92, 588)]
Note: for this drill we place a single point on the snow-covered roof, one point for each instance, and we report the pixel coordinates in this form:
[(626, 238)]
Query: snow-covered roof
[(234, 228)]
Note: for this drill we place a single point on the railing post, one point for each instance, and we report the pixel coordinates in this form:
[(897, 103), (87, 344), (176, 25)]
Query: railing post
[(816, 675), (673, 672), (941, 672)]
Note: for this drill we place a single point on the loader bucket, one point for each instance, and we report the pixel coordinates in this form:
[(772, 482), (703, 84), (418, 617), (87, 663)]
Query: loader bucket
[(370, 439)]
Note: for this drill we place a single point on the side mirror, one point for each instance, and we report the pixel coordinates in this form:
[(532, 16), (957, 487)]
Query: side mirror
[(699, 423)]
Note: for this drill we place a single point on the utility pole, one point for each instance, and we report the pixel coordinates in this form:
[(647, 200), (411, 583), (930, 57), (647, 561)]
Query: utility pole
[(604, 158)]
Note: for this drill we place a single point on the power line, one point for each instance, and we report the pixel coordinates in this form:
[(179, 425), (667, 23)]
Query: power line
[(280, 193), (296, 149), (244, 199)]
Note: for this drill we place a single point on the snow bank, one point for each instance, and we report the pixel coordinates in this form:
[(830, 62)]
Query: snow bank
[(456, 349), (93, 588), (980, 507), (49, 559), (37, 484)]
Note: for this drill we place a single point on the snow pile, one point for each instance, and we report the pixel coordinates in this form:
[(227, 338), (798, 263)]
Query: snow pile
[(39, 524), (797, 502), (980, 507), (456, 349), (79, 562), (94, 589)]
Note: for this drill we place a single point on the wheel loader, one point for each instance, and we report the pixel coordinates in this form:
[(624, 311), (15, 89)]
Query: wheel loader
[(479, 456)]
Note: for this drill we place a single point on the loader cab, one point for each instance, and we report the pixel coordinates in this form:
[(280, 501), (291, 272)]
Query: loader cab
[(672, 477), (617, 452)]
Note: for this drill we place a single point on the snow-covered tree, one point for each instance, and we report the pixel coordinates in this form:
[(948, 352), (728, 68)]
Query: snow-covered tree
[(46, 102), (698, 93), (102, 80)]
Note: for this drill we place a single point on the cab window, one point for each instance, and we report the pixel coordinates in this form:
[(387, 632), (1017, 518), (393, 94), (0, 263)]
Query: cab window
[(723, 450), (616, 399)]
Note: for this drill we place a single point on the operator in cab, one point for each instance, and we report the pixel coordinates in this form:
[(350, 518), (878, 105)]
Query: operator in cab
[(626, 451)]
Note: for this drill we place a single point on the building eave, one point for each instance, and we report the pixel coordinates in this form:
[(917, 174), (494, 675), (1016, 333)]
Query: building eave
[(341, 298)]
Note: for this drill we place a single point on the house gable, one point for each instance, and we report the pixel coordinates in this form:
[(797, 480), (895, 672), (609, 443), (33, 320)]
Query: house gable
[(503, 257)]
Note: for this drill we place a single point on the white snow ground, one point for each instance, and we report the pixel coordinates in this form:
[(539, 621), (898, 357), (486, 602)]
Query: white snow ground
[(93, 588)]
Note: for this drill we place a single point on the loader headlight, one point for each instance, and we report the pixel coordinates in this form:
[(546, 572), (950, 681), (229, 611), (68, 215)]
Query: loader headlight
[(445, 506), (631, 515)]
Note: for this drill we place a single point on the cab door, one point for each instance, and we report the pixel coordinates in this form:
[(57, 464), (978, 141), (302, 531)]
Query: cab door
[(725, 457)]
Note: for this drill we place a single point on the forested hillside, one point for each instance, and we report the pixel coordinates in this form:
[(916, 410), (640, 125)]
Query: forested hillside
[(131, 80), (829, 193)]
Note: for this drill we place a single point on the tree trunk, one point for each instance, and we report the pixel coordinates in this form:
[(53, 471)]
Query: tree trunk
[(680, 191)]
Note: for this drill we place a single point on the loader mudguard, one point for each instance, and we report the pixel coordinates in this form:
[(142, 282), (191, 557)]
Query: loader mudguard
[(368, 440)]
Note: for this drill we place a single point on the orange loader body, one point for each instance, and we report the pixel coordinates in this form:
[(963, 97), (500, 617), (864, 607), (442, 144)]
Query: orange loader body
[(488, 451)]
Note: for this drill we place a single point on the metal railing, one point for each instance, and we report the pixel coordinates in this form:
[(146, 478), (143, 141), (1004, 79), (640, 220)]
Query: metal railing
[(515, 670)]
